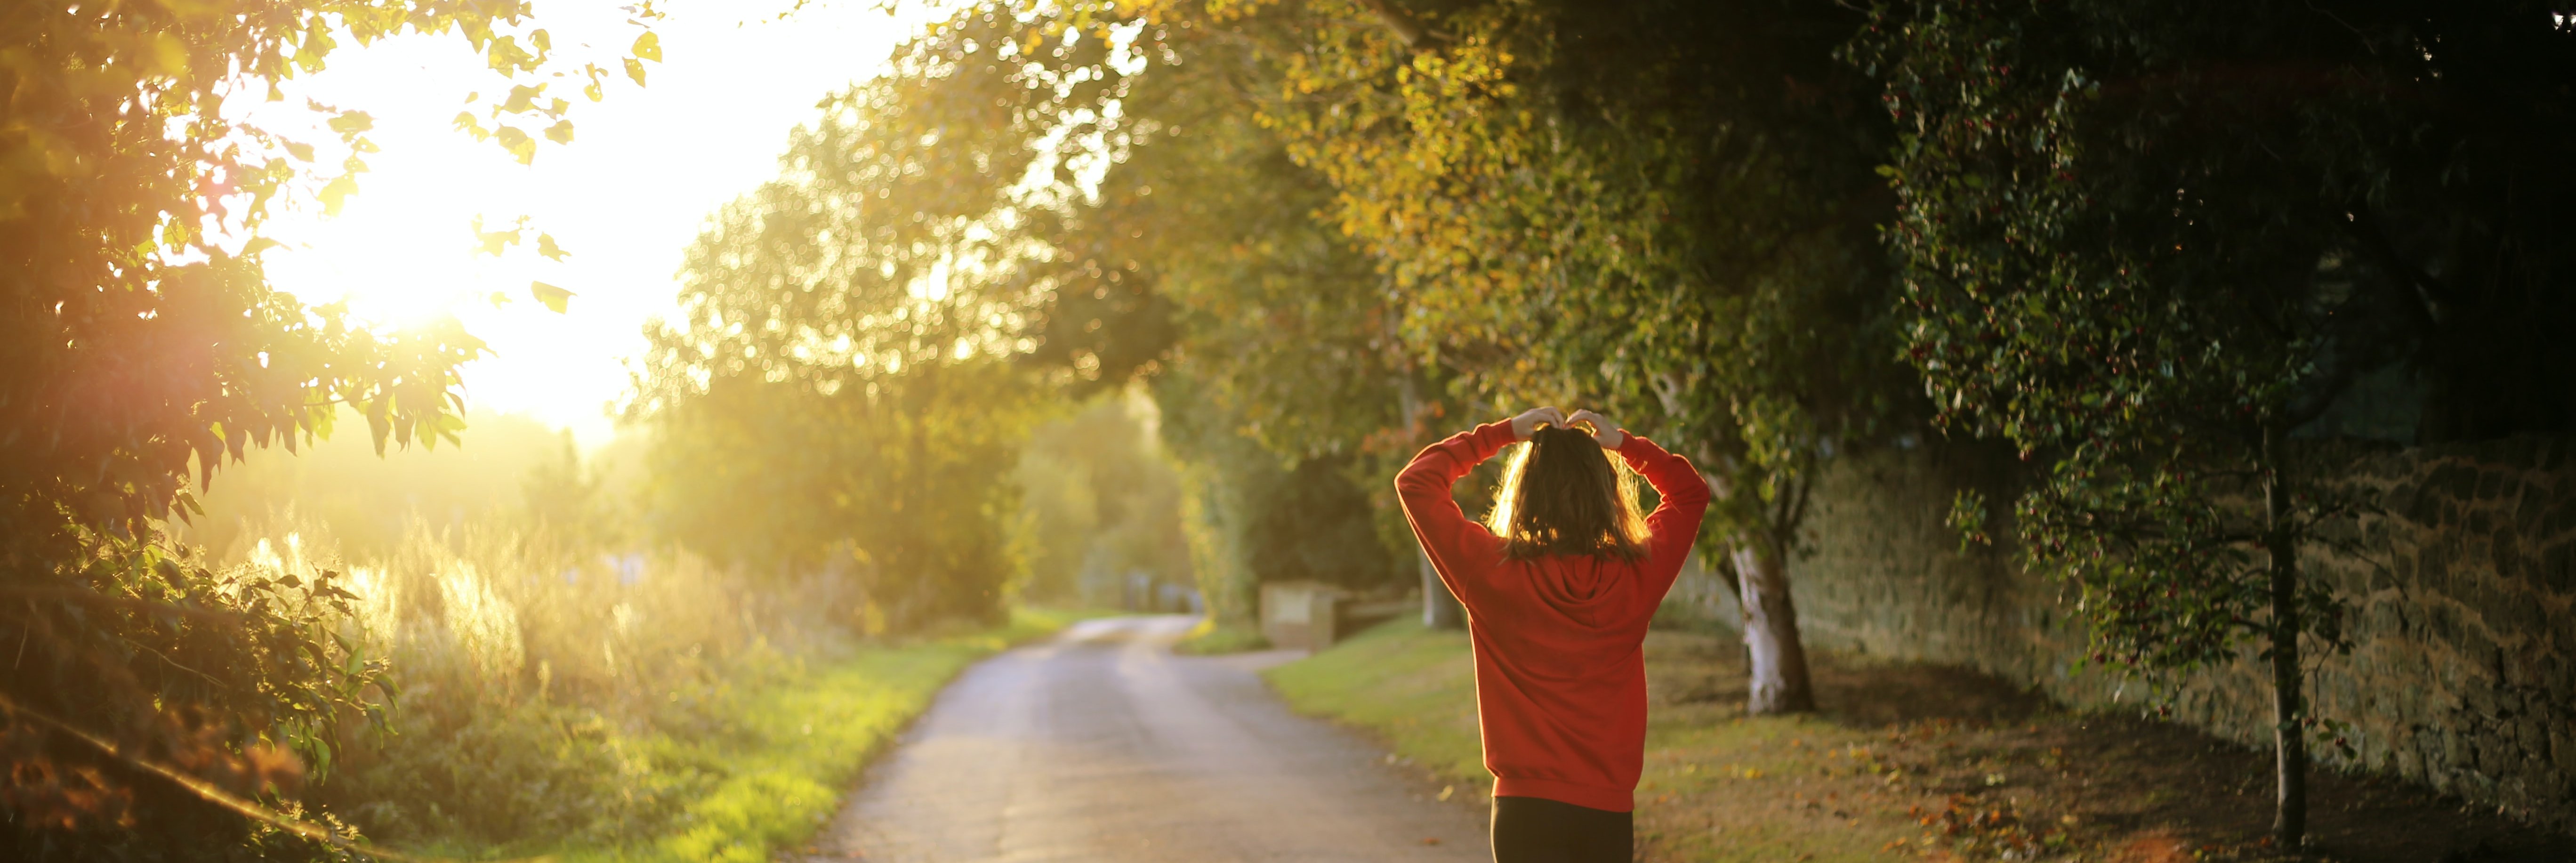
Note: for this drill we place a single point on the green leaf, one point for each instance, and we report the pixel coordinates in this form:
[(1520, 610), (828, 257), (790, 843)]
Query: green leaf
[(553, 297)]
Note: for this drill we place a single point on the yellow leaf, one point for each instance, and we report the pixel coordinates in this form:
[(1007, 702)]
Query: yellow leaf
[(168, 56), (193, 8), (518, 143), (553, 297), (492, 242), (522, 99), (335, 193), (648, 47)]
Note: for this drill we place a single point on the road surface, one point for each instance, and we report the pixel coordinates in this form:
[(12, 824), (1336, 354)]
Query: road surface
[(1101, 745)]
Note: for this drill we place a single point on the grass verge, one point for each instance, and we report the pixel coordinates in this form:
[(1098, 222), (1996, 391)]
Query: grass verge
[(1209, 638), (1411, 687), (1905, 761), (780, 755)]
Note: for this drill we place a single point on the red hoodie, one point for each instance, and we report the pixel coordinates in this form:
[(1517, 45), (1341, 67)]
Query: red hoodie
[(1560, 673)]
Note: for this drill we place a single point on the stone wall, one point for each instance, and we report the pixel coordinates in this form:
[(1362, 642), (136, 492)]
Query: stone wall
[(2463, 668)]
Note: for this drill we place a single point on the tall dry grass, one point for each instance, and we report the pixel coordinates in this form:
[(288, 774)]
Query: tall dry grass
[(547, 693)]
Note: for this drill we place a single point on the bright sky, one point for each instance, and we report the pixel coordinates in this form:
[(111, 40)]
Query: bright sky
[(646, 167)]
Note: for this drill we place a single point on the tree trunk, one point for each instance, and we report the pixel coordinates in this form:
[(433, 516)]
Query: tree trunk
[(2289, 710), (1778, 681), (1440, 609)]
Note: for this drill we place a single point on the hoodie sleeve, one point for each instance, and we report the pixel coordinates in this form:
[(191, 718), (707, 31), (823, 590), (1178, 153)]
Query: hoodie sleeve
[(1673, 528), (1459, 548)]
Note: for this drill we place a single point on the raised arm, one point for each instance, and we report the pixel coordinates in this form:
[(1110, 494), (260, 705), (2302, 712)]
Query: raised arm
[(1456, 544), (1674, 525)]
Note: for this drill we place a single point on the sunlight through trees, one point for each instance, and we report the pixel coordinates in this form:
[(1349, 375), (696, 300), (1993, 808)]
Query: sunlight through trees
[(1083, 300)]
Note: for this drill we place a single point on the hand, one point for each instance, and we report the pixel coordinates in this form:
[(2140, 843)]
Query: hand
[(1608, 434), (1529, 420)]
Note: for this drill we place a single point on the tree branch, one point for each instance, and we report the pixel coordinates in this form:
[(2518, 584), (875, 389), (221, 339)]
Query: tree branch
[(2423, 295), (208, 792), (143, 605), (1408, 31)]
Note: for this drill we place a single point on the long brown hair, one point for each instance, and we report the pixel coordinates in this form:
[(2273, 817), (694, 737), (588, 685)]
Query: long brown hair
[(1561, 496)]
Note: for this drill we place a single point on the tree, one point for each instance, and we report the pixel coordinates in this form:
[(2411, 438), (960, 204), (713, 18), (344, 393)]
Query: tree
[(846, 377), (1664, 212), (1171, 238), (1289, 334), (2147, 244), (1527, 182), (1099, 497), (143, 348), (1285, 376)]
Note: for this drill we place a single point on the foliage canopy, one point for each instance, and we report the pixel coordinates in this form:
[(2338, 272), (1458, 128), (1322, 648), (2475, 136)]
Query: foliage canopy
[(143, 348), (2147, 245)]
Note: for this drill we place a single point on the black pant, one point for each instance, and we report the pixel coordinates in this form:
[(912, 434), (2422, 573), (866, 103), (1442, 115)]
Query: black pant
[(1534, 830)]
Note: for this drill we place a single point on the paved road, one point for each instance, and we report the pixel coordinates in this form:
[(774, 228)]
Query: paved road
[(1101, 745)]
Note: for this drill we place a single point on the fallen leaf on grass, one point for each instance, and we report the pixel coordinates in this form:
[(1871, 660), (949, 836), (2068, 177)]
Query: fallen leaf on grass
[(2155, 848)]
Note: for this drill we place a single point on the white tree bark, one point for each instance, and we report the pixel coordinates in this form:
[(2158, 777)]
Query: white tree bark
[(1778, 677), (1440, 610)]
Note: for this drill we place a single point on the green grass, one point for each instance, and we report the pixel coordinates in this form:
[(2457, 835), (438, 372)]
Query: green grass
[(1209, 638), (1413, 687), (1717, 786), (789, 750)]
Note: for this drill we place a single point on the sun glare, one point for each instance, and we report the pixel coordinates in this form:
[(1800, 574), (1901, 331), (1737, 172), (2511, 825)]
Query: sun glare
[(400, 253), (623, 199)]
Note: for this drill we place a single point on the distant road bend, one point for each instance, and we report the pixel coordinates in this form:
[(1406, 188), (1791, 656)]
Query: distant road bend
[(1101, 745)]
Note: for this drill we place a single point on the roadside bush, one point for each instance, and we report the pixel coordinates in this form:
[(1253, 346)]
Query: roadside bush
[(547, 697)]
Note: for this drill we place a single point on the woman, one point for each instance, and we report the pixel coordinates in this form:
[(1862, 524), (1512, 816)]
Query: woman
[(1558, 589)]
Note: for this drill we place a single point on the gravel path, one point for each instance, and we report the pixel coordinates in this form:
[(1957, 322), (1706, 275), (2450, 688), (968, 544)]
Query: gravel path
[(1101, 745)]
